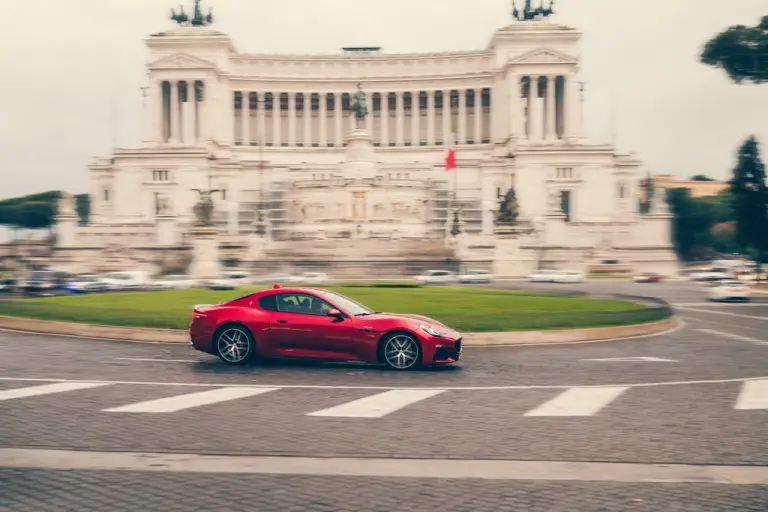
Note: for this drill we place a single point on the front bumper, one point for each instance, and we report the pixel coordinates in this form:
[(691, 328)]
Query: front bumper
[(447, 351)]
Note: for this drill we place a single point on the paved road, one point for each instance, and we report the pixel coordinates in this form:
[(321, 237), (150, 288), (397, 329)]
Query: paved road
[(696, 396)]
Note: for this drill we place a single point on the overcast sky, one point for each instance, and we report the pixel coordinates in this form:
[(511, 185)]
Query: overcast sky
[(72, 71)]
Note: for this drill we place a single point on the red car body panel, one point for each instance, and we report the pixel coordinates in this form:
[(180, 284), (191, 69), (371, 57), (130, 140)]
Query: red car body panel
[(319, 336)]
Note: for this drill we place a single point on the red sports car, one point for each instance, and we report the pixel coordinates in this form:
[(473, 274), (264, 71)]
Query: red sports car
[(319, 324)]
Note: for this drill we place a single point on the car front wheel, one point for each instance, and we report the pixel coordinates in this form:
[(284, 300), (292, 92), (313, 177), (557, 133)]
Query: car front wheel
[(402, 352), (234, 345)]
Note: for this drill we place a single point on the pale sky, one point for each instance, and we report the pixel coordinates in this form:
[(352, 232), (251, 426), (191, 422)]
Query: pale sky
[(72, 71)]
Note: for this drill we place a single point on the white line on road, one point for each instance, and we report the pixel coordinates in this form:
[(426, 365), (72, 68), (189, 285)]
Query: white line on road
[(47, 389), (754, 395), (720, 304), (713, 312), (386, 388), (578, 402), (155, 360), (733, 336), (638, 359), (384, 468), (378, 406), (187, 401)]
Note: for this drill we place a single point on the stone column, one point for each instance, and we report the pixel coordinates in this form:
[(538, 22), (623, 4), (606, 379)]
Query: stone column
[(551, 108), (307, 120), (245, 118), (500, 116), (430, 118), (446, 117), (174, 111), (322, 121), (536, 111), (488, 200), (572, 107), (188, 119), (291, 118), (415, 118), (399, 119), (155, 113), (369, 117), (462, 135), (337, 111), (277, 115), (261, 119), (517, 128), (384, 118), (478, 136)]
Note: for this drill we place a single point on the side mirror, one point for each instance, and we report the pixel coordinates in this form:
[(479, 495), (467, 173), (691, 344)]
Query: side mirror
[(335, 313)]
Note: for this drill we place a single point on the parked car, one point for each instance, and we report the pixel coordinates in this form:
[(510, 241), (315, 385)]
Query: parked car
[(227, 281), (86, 283), (436, 277), (544, 276), (648, 277), (8, 284), (569, 276), (42, 282), (175, 282), (712, 274), (130, 280), (272, 279), (319, 324), (309, 278), (729, 290), (476, 276)]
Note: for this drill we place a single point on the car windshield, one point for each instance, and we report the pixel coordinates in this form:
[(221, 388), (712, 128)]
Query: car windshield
[(352, 307)]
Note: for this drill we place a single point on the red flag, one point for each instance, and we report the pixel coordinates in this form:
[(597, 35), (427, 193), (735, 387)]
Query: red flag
[(450, 156)]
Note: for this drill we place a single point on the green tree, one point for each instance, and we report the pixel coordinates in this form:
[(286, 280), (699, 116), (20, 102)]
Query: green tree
[(749, 198), (647, 197), (701, 177), (83, 206), (741, 51)]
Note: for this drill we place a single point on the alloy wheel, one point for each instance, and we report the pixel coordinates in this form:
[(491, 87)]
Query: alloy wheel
[(233, 345), (401, 352)]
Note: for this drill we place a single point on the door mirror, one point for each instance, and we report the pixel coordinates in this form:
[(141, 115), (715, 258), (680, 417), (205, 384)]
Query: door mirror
[(335, 312)]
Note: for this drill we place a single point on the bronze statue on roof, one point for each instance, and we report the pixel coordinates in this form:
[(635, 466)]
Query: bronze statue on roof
[(530, 13)]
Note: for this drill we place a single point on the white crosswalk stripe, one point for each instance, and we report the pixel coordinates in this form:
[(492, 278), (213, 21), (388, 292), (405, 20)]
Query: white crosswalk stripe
[(379, 405), (189, 400), (578, 402), (754, 395), (47, 389)]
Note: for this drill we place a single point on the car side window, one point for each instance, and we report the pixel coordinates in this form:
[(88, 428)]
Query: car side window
[(302, 304), (268, 303)]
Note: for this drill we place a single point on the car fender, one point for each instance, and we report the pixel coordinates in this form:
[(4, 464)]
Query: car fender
[(394, 329)]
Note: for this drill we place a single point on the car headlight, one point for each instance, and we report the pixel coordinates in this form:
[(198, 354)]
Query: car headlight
[(431, 331)]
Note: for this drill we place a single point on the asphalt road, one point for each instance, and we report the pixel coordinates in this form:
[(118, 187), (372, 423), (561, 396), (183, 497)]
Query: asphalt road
[(692, 398)]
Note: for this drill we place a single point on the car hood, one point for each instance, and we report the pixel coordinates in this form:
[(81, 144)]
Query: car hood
[(418, 318)]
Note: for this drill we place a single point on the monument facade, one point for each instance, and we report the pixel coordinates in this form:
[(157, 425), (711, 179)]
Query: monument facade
[(332, 157)]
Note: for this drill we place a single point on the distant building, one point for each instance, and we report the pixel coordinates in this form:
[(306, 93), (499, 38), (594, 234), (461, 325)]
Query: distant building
[(697, 188)]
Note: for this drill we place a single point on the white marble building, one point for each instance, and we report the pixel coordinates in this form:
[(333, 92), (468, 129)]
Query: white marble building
[(272, 133)]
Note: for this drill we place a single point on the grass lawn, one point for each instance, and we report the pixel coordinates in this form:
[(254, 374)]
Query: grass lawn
[(466, 309)]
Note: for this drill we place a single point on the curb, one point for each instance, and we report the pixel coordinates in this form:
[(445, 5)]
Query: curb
[(478, 339)]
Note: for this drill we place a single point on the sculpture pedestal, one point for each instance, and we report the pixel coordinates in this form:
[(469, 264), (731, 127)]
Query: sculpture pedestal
[(205, 253)]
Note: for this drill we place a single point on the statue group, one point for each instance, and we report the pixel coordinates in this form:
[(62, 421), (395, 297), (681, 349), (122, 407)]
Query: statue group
[(359, 106), (198, 18), (509, 210), (530, 13), (203, 210)]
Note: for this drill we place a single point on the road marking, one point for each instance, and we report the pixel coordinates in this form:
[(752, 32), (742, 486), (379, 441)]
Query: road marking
[(387, 388), (713, 312), (754, 395), (733, 336), (638, 359), (181, 402), (578, 402), (47, 389), (154, 360), (530, 470), (378, 406)]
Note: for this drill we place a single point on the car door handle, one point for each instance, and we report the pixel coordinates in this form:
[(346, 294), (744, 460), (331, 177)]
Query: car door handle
[(282, 321)]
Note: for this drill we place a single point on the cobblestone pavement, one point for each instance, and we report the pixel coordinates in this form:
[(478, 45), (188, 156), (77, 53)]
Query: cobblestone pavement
[(686, 404), (84, 491)]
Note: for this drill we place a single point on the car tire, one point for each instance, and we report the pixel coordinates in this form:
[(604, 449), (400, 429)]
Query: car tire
[(234, 345), (401, 351)]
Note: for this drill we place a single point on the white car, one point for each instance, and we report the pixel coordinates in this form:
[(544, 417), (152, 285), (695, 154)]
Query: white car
[(436, 277), (729, 290), (228, 281), (126, 280), (309, 278), (476, 276), (569, 276), (272, 279), (544, 276), (175, 282)]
